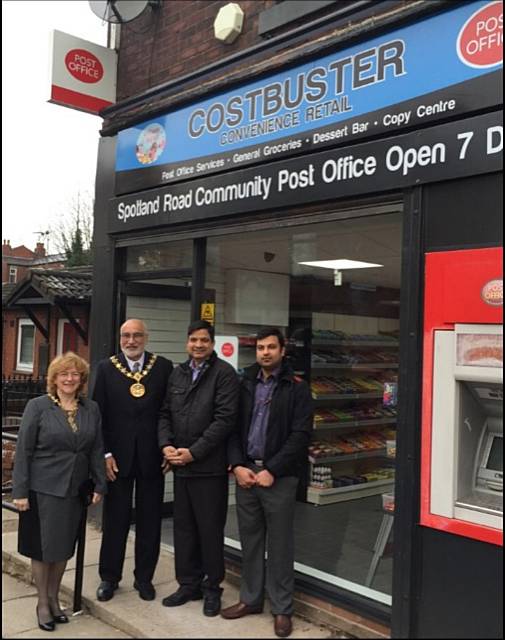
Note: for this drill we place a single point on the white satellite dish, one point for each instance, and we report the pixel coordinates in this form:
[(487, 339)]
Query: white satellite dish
[(118, 11)]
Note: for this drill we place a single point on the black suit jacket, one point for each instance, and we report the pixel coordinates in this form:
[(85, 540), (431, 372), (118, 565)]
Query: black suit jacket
[(130, 424)]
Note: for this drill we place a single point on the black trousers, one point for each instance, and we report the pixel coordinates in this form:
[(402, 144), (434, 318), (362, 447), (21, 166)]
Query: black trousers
[(116, 521), (200, 506)]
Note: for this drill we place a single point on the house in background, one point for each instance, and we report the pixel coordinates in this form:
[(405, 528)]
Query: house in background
[(16, 261), (45, 309)]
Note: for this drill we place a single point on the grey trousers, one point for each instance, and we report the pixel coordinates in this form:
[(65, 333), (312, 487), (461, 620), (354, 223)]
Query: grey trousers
[(266, 520)]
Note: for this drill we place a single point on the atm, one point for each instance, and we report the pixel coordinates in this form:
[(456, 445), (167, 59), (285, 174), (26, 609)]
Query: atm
[(462, 423)]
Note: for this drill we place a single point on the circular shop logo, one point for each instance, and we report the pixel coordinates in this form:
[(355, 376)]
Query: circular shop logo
[(227, 349), (150, 143), (480, 40), (84, 66), (492, 293)]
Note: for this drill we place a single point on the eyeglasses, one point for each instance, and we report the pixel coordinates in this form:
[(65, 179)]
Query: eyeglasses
[(69, 374), (136, 336)]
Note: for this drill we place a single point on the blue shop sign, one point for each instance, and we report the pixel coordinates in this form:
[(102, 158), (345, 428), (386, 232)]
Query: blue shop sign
[(434, 69)]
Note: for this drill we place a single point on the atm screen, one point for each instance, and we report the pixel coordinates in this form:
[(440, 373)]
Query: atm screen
[(495, 458)]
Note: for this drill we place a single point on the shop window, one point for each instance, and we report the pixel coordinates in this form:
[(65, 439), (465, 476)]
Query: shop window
[(160, 256), (13, 275), (342, 323), (25, 345), (162, 299)]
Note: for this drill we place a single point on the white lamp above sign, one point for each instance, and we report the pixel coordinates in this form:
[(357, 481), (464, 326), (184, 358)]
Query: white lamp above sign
[(228, 23)]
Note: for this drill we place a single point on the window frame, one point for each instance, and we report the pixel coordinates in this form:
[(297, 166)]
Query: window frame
[(24, 366)]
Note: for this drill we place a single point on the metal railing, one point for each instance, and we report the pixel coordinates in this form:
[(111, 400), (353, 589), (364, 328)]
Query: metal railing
[(81, 537), (17, 390)]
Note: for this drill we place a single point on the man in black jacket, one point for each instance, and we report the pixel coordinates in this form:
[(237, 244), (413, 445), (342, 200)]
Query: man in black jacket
[(266, 454), (129, 389), (198, 415)]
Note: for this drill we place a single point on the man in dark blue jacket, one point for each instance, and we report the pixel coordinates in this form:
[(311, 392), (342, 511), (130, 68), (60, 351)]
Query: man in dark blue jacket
[(266, 454), (197, 417)]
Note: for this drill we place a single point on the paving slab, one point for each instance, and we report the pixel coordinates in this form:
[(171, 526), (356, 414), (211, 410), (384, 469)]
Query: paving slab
[(13, 588), (19, 619), (126, 613)]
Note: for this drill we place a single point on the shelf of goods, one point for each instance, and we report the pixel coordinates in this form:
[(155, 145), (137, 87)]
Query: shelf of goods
[(348, 457), (319, 496)]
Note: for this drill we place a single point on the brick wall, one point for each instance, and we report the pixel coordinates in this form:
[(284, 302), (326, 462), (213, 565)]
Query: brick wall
[(178, 39), (10, 332)]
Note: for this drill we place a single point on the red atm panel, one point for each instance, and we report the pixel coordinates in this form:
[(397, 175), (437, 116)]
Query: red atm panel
[(461, 287)]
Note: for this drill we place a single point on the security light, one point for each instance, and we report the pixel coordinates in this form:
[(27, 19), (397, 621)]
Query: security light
[(228, 23)]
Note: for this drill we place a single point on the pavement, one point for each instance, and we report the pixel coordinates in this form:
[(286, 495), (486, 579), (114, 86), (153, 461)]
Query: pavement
[(126, 615)]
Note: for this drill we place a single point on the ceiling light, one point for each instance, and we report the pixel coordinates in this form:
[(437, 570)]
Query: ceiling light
[(341, 264)]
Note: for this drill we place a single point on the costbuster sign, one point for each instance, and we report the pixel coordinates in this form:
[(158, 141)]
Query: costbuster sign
[(83, 74), (440, 67)]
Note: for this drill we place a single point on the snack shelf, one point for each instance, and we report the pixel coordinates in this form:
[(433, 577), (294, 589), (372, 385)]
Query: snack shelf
[(321, 342), (347, 396), (321, 426), (345, 457), (340, 494), (353, 371), (363, 366)]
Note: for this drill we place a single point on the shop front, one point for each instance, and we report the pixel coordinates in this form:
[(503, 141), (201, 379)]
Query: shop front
[(311, 200)]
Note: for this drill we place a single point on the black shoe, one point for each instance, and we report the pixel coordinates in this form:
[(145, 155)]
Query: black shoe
[(106, 590), (181, 596), (60, 618), (212, 604), (45, 626), (145, 589)]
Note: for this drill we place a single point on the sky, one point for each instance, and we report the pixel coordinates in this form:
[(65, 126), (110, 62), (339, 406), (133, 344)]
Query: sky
[(48, 151)]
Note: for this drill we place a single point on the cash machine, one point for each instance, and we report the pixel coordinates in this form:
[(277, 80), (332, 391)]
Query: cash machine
[(462, 424)]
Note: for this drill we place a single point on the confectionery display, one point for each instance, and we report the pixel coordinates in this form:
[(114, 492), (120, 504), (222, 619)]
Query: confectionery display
[(352, 380)]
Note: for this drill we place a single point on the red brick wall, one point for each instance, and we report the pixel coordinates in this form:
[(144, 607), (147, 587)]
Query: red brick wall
[(17, 252), (10, 333), (177, 40)]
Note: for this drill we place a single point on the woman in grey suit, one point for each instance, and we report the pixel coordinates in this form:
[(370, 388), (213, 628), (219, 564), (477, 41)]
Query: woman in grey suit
[(59, 449)]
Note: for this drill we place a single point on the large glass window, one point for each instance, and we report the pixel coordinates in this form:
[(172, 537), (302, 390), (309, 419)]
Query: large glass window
[(26, 341), (157, 286), (334, 288), (158, 291)]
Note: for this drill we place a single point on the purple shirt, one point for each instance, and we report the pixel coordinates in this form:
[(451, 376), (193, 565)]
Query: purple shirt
[(261, 412), (195, 369)]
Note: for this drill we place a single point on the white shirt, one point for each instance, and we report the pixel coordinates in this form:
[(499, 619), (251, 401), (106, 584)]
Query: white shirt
[(140, 361)]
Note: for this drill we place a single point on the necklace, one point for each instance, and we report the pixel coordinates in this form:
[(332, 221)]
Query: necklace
[(137, 389), (69, 413)]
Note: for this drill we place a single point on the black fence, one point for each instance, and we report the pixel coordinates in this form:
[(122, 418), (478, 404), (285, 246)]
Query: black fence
[(16, 391)]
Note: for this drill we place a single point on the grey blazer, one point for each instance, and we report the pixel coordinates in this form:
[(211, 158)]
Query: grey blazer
[(50, 457)]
